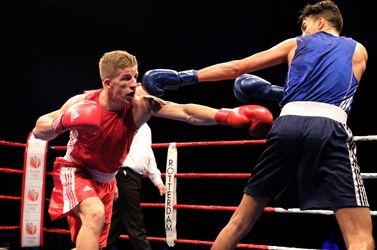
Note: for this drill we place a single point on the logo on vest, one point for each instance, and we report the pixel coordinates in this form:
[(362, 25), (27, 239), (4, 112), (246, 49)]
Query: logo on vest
[(74, 115)]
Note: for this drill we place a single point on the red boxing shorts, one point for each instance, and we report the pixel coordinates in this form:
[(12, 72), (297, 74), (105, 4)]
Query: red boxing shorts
[(73, 185)]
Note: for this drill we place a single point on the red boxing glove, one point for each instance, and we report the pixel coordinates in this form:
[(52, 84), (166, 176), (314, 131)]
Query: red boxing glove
[(258, 118), (85, 115)]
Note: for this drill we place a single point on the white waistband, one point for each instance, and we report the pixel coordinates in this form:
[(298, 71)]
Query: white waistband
[(100, 176), (315, 109)]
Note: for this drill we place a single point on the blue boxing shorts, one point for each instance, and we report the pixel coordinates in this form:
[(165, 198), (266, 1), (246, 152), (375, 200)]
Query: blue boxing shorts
[(316, 155)]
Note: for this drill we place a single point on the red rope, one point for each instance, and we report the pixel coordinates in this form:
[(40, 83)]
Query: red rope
[(179, 175), (9, 227), (182, 175), (56, 230), (193, 144), (5, 197), (161, 239), (201, 207), (209, 243), (14, 144), (17, 171), (210, 207), (209, 143), (162, 205), (211, 175), (58, 147), (10, 170), (199, 242)]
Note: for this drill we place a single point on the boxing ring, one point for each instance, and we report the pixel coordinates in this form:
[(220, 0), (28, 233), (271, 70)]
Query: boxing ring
[(171, 232)]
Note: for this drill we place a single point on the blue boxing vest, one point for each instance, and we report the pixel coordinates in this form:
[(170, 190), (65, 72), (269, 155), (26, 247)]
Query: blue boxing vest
[(321, 71)]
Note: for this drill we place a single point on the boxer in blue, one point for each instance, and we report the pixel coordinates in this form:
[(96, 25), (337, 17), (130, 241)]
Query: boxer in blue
[(309, 144)]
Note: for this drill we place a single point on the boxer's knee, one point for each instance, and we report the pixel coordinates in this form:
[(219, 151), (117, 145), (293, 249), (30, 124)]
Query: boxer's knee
[(92, 213)]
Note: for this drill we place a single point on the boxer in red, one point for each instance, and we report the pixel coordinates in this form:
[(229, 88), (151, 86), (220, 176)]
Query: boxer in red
[(102, 124)]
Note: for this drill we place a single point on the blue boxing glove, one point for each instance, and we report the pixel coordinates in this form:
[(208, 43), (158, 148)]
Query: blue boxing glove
[(247, 86), (156, 81)]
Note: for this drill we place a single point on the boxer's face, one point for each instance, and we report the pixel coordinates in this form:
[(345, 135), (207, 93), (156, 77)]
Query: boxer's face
[(123, 85), (309, 25)]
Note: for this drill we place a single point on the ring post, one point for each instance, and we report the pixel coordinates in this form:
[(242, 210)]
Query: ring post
[(171, 197), (33, 192)]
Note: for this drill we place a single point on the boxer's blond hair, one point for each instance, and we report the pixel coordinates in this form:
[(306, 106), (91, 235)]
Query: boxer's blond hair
[(112, 61)]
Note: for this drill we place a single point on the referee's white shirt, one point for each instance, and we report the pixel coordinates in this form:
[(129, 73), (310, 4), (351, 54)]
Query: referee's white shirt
[(140, 158)]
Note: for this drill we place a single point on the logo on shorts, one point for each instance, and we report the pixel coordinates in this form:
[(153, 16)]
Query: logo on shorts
[(87, 188), (35, 162), (31, 228)]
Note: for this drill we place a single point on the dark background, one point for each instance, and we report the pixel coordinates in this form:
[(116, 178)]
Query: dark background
[(51, 50)]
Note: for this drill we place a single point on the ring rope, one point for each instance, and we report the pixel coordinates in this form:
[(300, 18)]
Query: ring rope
[(365, 138), (211, 207), (196, 175), (14, 144), (198, 143), (183, 241), (222, 208)]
